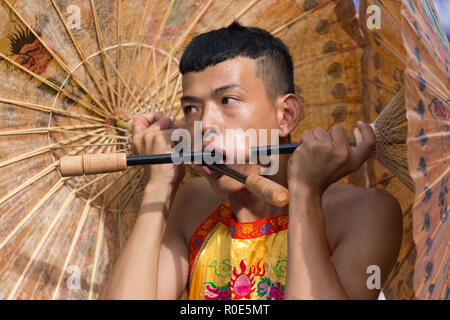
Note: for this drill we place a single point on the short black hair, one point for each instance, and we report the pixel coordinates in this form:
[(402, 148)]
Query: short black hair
[(274, 63)]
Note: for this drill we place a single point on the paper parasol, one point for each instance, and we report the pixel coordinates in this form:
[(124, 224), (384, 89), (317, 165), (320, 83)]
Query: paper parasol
[(74, 73), (427, 101)]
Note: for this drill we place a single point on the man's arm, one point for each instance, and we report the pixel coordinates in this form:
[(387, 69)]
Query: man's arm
[(322, 159), (135, 274), (137, 271), (373, 237)]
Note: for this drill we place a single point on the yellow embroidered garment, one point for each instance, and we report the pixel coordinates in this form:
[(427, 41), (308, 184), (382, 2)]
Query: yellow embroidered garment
[(233, 260)]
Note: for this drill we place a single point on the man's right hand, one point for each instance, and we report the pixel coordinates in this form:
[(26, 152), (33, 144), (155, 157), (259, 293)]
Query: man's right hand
[(151, 135)]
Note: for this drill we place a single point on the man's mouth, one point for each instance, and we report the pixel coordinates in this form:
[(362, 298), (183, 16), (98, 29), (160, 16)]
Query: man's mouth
[(218, 157)]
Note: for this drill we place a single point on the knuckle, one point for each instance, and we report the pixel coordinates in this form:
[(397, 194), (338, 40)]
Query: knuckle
[(295, 155), (136, 138), (149, 137), (313, 147), (305, 135), (320, 130), (328, 147), (345, 154)]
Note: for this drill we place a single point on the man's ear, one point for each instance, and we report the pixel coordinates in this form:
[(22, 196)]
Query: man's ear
[(288, 113)]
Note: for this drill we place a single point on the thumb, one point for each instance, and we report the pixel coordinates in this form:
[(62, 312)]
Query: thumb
[(142, 121), (165, 123), (366, 147), (180, 124)]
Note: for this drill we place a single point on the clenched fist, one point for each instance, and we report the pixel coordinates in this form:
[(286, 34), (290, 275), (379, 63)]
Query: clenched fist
[(151, 135), (325, 157)]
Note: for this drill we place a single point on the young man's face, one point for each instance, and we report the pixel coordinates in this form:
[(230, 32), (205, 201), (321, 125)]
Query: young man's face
[(228, 95)]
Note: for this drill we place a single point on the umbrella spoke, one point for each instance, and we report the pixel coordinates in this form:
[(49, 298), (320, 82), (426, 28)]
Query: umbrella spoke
[(105, 55), (91, 70), (102, 47), (56, 187), (299, 18), (98, 243), (181, 39), (154, 43), (50, 147), (174, 95), (75, 238), (54, 221), (43, 173), (131, 193), (66, 129), (55, 56), (46, 109), (139, 41), (50, 84)]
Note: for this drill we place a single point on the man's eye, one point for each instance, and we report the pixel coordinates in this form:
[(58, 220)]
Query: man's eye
[(190, 109), (228, 100)]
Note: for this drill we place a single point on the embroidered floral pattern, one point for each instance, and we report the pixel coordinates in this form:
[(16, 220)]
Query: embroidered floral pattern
[(238, 230), (214, 292), (222, 269), (276, 291), (222, 277), (280, 268), (242, 283), (259, 228), (221, 214), (270, 290)]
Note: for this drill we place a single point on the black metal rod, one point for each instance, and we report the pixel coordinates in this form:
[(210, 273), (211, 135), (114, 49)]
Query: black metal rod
[(164, 158), (199, 156), (282, 149), (222, 168)]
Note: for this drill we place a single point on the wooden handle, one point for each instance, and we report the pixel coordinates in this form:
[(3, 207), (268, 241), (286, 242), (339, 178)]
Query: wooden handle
[(92, 164), (270, 191), (358, 136)]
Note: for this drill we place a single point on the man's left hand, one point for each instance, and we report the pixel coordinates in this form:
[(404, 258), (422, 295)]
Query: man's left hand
[(325, 157)]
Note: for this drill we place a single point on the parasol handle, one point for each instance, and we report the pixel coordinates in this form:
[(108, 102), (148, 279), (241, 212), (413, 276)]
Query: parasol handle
[(267, 189), (87, 164)]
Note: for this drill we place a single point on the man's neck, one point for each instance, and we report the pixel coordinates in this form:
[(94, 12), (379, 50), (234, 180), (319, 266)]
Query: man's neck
[(247, 207)]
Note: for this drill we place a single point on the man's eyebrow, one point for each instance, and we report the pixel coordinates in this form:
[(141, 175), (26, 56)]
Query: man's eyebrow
[(189, 99), (227, 87), (215, 92)]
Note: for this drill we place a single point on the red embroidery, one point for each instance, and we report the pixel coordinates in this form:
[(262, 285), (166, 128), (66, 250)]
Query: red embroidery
[(242, 283), (221, 214), (238, 230), (258, 228)]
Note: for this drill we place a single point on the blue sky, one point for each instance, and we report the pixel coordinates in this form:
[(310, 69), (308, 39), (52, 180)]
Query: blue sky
[(443, 9)]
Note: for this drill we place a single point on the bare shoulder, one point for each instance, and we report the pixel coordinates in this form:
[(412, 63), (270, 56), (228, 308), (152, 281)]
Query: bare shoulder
[(194, 201), (365, 229), (348, 208)]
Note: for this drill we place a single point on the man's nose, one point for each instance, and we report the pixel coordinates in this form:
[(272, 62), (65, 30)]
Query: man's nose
[(210, 121)]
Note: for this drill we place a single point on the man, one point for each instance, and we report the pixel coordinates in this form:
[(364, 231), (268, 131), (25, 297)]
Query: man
[(218, 240)]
